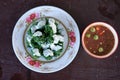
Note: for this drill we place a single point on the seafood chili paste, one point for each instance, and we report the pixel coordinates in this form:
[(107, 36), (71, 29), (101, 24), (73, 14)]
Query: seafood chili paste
[(99, 40)]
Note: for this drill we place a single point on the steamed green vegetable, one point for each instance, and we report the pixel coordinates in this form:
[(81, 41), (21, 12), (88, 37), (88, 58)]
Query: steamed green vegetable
[(44, 39)]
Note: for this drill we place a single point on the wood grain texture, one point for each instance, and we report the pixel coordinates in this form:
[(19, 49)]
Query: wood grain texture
[(83, 67)]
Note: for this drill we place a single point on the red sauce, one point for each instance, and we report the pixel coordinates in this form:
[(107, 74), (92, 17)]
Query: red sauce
[(99, 40)]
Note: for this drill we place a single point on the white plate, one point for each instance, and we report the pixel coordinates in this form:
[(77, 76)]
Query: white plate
[(73, 32)]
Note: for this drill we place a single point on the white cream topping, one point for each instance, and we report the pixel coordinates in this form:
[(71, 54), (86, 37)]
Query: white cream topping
[(52, 25), (38, 33), (36, 52), (55, 47), (51, 20), (58, 38), (33, 29), (48, 52), (45, 46), (29, 40), (40, 24)]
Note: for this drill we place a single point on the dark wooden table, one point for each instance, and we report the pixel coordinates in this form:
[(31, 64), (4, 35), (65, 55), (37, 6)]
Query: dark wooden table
[(83, 67)]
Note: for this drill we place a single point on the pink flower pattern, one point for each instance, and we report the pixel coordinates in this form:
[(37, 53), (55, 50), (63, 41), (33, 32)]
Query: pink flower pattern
[(32, 62), (32, 16), (72, 38)]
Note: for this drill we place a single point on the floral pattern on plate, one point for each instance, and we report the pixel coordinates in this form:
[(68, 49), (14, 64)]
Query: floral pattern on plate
[(32, 16)]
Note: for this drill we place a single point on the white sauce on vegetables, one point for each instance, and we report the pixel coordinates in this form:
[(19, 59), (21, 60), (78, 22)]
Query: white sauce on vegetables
[(36, 52), (55, 47), (52, 25), (29, 40), (40, 24), (45, 46), (33, 29), (38, 33), (48, 52), (58, 38)]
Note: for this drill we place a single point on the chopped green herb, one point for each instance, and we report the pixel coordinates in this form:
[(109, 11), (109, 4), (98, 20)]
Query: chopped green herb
[(57, 53), (48, 31), (48, 58), (88, 35), (56, 23), (29, 32), (27, 43), (96, 37), (100, 49), (92, 29)]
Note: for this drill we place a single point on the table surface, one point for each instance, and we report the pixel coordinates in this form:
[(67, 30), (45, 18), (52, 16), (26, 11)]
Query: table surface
[(83, 67)]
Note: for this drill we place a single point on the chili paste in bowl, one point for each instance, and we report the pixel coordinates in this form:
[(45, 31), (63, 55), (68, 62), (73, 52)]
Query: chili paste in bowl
[(99, 40)]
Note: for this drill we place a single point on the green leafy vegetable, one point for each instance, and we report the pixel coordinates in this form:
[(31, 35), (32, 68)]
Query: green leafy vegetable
[(57, 53), (29, 32), (27, 43), (48, 31), (56, 23), (35, 44), (45, 38), (48, 58), (47, 23)]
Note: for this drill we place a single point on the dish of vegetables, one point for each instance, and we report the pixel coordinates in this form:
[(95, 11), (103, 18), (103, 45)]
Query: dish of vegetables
[(44, 39)]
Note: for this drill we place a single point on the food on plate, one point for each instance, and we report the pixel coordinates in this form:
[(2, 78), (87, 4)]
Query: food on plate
[(44, 38)]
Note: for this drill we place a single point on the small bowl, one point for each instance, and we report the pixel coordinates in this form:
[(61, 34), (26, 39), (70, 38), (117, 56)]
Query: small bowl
[(114, 35)]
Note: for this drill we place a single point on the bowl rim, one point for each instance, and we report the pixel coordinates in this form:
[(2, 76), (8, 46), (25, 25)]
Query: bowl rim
[(114, 34)]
